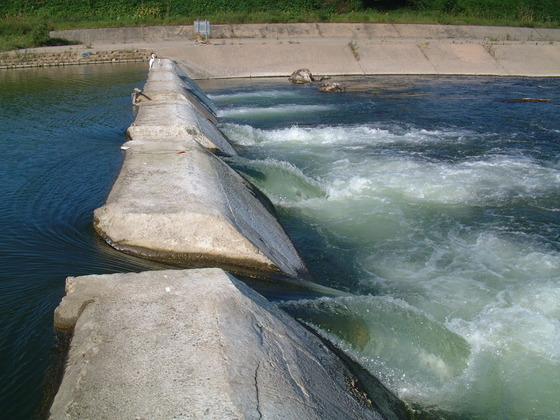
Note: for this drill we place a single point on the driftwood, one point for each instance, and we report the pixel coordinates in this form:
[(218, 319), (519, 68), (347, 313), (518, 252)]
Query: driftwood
[(526, 100)]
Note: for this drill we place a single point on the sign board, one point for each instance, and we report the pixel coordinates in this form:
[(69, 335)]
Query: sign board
[(202, 27)]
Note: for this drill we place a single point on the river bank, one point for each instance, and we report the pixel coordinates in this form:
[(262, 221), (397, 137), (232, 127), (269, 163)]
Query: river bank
[(69, 56), (267, 50)]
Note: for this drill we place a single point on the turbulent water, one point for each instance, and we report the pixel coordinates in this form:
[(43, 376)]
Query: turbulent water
[(437, 206), (429, 201)]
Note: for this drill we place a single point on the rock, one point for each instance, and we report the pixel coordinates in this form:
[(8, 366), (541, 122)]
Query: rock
[(193, 344), (301, 76), (332, 87)]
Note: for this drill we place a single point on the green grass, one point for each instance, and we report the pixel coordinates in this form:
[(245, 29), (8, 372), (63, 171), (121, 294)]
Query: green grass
[(25, 32), (367, 16)]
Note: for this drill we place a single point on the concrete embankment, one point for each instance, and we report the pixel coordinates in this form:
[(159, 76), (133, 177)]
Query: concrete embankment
[(343, 49), (195, 344), (69, 56), (175, 201)]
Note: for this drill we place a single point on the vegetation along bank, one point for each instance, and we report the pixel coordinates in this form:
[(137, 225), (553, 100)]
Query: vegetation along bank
[(25, 23)]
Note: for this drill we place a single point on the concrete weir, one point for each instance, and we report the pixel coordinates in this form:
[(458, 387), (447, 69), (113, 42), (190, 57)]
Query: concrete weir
[(197, 343), (194, 344), (176, 201)]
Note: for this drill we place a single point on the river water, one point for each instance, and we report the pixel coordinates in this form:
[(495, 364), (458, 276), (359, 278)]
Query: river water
[(61, 130), (430, 201), (437, 205)]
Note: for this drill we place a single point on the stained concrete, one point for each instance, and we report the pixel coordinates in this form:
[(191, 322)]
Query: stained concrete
[(170, 107), (258, 50), (193, 344), (175, 201), (167, 82), (297, 31), (174, 120)]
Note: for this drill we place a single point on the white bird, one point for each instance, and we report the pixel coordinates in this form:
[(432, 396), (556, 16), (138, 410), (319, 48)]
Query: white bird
[(152, 60)]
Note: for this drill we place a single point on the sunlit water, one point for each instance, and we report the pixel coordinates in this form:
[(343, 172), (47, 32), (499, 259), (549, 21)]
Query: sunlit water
[(429, 199), (438, 206), (61, 130)]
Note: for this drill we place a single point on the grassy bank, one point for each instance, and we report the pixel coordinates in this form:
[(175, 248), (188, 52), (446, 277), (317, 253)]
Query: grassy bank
[(25, 23)]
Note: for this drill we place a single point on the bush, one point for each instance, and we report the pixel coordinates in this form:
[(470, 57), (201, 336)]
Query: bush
[(114, 12), (522, 10), (40, 34)]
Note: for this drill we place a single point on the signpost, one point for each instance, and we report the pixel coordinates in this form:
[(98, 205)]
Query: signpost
[(203, 28)]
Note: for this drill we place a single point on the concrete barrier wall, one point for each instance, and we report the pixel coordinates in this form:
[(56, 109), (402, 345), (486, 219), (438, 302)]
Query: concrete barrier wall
[(267, 50), (175, 201), (195, 344), (309, 30)]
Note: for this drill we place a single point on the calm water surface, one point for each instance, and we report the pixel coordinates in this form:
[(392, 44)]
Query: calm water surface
[(431, 201), (60, 138)]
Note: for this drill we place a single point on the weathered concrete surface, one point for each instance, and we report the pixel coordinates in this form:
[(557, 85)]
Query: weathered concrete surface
[(175, 120), (295, 31), (545, 58), (258, 50), (167, 82), (361, 56), (175, 201), (193, 344)]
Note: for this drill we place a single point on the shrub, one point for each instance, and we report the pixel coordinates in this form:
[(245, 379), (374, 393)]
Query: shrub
[(40, 34)]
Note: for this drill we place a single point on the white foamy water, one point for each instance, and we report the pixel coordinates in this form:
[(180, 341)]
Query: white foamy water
[(279, 110), (477, 182), (252, 96), (465, 313), (342, 135)]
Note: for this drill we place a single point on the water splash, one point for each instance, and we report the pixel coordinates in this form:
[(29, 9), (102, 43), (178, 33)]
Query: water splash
[(443, 214)]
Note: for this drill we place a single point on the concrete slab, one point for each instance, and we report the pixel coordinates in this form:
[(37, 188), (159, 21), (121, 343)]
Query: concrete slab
[(262, 50), (378, 31), (449, 58), (544, 59), (376, 58), (547, 35), (193, 344), (501, 33), (175, 201), (174, 120), (265, 30), (294, 31), (168, 86), (426, 32), (304, 30), (261, 60), (127, 34)]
